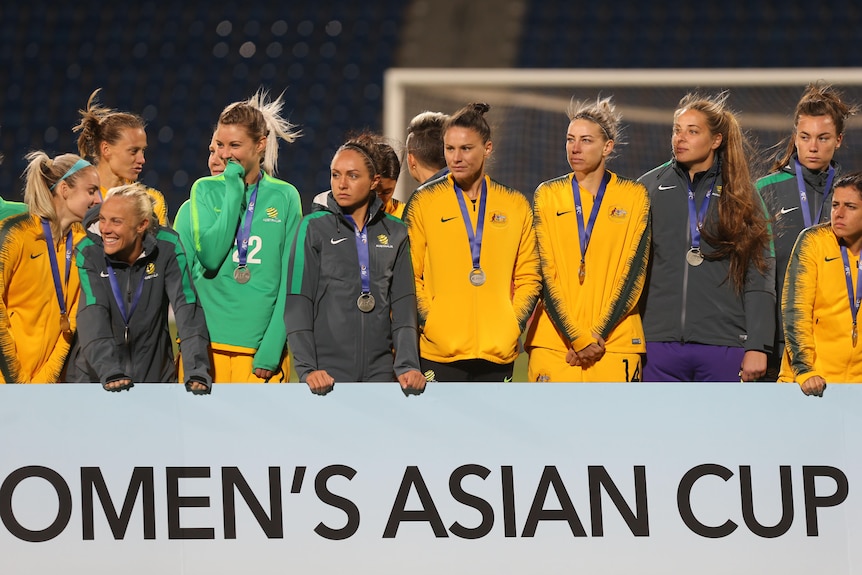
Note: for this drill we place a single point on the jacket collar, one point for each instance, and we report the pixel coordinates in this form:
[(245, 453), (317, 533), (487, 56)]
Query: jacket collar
[(682, 171), (817, 180), (375, 210)]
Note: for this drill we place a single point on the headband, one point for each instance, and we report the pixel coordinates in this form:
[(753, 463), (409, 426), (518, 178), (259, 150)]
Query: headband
[(79, 165), (351, 146)]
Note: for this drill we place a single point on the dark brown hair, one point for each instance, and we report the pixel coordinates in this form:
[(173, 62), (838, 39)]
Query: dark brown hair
[(471, 116), (818, 99)]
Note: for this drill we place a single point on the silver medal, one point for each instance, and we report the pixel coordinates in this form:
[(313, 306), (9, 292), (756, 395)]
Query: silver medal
[(241, 274), (477, 277), (365, 303), (694, 257)]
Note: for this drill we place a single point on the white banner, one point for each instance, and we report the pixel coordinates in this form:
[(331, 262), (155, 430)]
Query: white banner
[(510, 478)]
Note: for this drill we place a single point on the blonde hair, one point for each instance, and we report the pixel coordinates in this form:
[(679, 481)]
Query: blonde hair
[(41, 177), (602, 112), (262, 119), (142, 202)]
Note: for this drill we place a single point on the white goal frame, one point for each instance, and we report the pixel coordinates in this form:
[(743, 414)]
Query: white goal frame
[(500, 83)]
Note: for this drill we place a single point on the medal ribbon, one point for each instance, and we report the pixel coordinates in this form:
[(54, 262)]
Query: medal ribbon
[(584, 232), (696, 218), (475, 238), (244, 231), (55, 269), (118, 296), (362, 250), (803, 197), (854, 302)]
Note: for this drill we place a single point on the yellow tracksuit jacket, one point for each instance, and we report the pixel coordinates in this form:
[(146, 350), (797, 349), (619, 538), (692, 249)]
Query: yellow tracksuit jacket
[(457, 319)]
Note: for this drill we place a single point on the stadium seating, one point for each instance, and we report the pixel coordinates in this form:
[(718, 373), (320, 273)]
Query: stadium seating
[(179, 67)]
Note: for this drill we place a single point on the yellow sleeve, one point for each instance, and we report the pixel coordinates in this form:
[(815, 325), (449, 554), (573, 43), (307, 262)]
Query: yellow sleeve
[(526, 277), (797, 306), (416, 234), (631, 266), (10, 249), (557, 301)]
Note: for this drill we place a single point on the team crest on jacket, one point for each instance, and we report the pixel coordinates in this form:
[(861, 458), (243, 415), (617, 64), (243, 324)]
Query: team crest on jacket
[(617, 214), (150, 271), (383, 241), (499, 220), (272, 215)]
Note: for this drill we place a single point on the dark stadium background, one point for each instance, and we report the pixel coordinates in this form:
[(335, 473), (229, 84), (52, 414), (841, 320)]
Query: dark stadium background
[(179, 63)]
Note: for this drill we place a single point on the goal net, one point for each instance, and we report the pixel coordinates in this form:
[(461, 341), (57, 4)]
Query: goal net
[(528, 112)]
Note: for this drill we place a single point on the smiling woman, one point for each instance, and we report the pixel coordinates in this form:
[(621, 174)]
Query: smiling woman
[(235, 227), (38, 287), (129, 276)]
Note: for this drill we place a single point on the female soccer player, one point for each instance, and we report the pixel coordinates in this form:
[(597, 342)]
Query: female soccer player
[(38, 281), (425, 158), (474, 260), (130, 274), (390, 169), (237, 228), (710, 297), (822, 296), (351, 304), (593, 237), (798, 191), (115, 142)]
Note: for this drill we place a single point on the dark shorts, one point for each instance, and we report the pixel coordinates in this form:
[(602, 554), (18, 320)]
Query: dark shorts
[(675, 361), (468, 370)]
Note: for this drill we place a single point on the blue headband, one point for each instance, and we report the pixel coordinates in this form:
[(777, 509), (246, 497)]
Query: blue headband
[(80, 164)]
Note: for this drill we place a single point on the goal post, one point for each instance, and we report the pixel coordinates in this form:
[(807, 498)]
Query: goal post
[(528, 107)]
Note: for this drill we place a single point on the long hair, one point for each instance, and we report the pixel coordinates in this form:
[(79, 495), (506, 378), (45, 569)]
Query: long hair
[(262, 118), (741, 232), (41, 177), (100, 124), (818, 99)]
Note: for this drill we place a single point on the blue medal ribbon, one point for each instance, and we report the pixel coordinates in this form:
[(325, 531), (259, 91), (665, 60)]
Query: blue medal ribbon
[(803, 197), (244, 232), (475, 237), (854, 302), (697, 217), (584, 232), (118, 296), (361, 237), (59, 287)]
